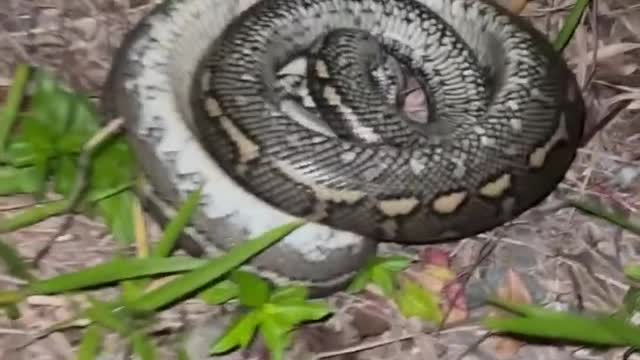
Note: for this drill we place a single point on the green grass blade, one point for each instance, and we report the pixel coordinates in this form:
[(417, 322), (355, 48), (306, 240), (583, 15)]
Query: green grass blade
[(12, 311), (215, 268), (20, 180), (567, 327), (90, 345), (14, 264), (11, 297), (115, 270), (143, 346), (612, 215), (33, 215), (105, 194), (570, 25), (9, 113), (633, 272), (176, 225), (525, 310), (103, 314)]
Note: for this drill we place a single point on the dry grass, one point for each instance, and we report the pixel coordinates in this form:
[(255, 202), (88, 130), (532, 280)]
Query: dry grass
[(565, 258)]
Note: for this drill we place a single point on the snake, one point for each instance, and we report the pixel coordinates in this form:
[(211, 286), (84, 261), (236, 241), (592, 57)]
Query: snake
[(280, 110)]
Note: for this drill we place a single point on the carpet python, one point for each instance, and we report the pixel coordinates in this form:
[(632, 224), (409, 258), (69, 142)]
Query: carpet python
[(203, 85)]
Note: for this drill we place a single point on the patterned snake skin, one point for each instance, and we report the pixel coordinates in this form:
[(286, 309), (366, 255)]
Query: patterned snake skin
[(505, 120)]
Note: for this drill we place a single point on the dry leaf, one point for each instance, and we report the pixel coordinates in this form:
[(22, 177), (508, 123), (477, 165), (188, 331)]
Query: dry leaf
[(436, 257), (513, 289), (455, 306), (514, 6), (436, 276)]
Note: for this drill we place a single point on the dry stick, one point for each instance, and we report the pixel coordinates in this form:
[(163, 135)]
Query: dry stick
[(486, 250), (594, 60), (361, 347), (474, 345), (605, 121), (67, 324), (81, 181), (577, 289), (627, 354)]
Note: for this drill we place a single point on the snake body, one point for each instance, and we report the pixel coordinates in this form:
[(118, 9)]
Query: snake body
[(505, 122)]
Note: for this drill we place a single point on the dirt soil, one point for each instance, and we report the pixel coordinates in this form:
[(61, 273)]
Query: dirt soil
[(551, 255)]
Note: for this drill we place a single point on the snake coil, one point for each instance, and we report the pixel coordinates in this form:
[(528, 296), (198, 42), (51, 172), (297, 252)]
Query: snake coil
[(505, 120)]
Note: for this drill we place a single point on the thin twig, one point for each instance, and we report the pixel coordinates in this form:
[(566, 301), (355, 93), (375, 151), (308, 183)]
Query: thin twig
[(617, 109), (68, 220), (84, 165), (596, 36), (362, 347), (474, 345), (486, 250), (84, 160)]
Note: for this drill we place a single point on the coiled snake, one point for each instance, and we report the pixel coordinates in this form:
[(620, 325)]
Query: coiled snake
[(197, 81)]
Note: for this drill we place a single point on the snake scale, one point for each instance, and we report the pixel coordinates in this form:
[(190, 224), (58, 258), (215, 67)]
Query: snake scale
[(203, 85)]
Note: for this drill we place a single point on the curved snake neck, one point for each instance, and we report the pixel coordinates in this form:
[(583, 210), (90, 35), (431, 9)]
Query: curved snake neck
[(508, 115)]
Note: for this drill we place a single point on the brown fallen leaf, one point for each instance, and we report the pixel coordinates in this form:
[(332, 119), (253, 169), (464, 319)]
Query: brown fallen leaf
[(514, 6), (513, 289), (435, 275)]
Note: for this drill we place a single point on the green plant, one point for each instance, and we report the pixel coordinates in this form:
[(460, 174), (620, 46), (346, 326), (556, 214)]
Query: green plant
[(56, 143)]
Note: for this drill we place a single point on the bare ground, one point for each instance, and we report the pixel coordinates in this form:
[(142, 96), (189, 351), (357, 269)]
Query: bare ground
[(552, 254)]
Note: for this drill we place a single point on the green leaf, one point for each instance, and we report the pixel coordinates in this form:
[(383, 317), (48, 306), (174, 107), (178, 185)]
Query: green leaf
[(173, 230), (112, 271), (394, 264), (71, 144), (567, 327), (253, 291), (571, 23), (101, 195), (105, 315), (117, 212), (19, 180), (631, 301), (633, 272), (276, 337), (295, 314), (383, 278), (11, 297), (63, 112), (65, 175), (413, 300), (143, 346), (9, 112), (183, 354), (12, 311), (84, 121), (543, 323), (213, 269), (239, 334), (289, 295), (33, 215), (20, 152), (131, 290), (360, 281), (520, 309), (381, 271), (90, 345), (113, 164), (39, 136), (220, 293), (14, 264)]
